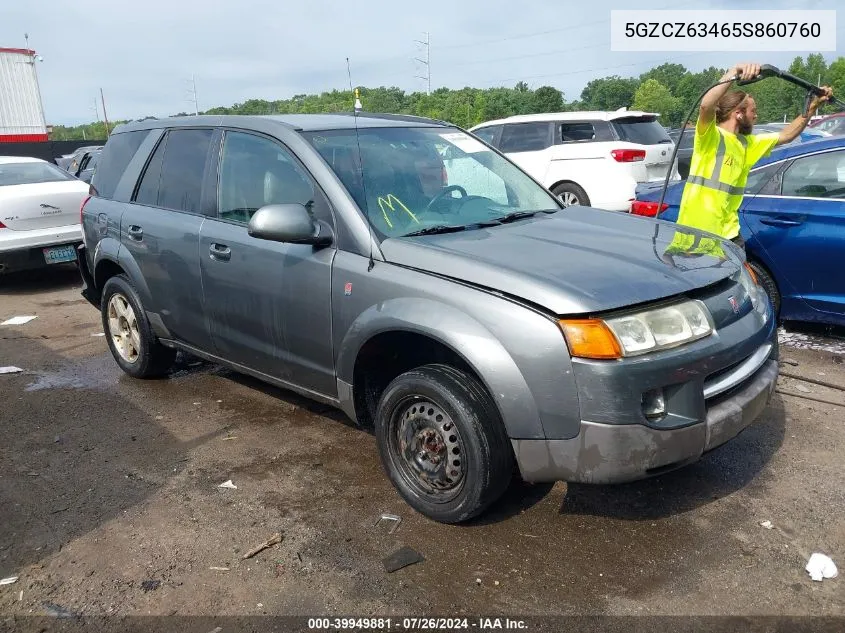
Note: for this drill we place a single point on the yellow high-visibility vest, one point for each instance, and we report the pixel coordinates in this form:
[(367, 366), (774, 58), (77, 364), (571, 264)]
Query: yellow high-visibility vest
[(717, 177)]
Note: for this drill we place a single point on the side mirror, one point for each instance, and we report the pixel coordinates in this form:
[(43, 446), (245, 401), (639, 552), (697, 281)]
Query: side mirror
[(288, 223)]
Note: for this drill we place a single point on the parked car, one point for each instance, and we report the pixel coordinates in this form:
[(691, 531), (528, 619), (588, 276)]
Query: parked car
[(585, 158), (793, 222), (39, 214), (684, 155), (87, 165), (76, 158), (401, 270), (828, 123)]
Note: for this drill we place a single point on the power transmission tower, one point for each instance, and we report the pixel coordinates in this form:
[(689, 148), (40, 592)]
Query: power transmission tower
[(426, 61), (192, 91)]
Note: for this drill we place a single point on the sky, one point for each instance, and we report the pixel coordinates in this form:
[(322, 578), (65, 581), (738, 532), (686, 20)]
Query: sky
[(144, 55)]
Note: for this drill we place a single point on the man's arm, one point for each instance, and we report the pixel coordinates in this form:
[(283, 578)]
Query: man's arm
[(791, 131), (707, 110)]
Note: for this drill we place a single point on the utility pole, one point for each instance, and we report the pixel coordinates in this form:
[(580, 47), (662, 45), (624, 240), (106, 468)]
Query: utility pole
[(105, 116), (426, 61)]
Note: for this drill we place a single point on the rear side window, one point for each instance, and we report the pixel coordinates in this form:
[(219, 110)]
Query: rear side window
[(174, 177), (525, 137), (577, 132), (117, 154), (641, 130)]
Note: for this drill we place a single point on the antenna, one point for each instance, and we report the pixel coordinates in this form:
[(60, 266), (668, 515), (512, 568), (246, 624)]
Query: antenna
[(427, 60)]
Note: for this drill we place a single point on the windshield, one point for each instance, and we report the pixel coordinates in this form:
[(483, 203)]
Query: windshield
[(428, 179), (29, 173)]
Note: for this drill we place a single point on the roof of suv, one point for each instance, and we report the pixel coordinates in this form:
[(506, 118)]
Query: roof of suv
[(586, 115), (299, 122)]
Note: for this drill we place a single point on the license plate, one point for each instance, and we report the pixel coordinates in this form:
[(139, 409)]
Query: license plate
[(58, 254)]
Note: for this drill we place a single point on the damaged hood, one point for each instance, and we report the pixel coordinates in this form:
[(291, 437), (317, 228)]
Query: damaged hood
[(576, 261)]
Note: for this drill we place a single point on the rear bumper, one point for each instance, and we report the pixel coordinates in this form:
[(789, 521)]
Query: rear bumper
[(614, 453), (89, 289), (15, 241)]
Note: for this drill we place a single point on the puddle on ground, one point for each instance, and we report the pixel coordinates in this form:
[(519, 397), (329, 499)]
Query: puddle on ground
[(817, 342), (99, 372)]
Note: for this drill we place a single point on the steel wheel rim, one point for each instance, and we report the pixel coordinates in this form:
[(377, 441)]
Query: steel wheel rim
[(569, 199), (123, 328), (427, 449)]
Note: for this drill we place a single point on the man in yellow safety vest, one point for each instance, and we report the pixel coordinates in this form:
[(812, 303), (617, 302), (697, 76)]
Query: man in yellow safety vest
[(724, 150)]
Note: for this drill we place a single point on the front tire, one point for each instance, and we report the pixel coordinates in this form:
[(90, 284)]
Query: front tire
[(768, 284), (443, 443), (130, 337)]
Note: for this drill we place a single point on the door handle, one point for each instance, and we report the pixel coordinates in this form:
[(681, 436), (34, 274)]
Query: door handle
[(780, 222), (220, 252), (135, 232)]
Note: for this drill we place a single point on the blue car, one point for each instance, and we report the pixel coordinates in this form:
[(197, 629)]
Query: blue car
[(793, 222)]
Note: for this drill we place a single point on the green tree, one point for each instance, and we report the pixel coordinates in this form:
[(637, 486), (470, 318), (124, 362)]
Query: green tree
[(548, 99), (670, 75), (653, 96), (609, 93)]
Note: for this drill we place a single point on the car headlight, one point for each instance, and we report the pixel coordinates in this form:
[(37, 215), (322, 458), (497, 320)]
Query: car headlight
[(748, 280), (638, 332)]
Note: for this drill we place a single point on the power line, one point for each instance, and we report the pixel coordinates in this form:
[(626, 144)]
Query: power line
[(549, 32), (587, 70)]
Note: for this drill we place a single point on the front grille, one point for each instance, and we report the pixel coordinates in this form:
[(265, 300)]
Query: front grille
[(730, 379)]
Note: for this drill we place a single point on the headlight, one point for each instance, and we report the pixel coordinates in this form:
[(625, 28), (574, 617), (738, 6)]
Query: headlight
[(639, 332), (749, 284)]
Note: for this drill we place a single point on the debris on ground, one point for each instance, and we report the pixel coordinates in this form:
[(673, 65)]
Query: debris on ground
[(821, 566), (228, 484), (789, 361), (219, 568), (802, 389), (9, 581), (57, 611), (150, 585), (98, 334), (270, 542), (11, 369), (18, 320), (402, 557), (390, 517), (767, 524), (478, 581)]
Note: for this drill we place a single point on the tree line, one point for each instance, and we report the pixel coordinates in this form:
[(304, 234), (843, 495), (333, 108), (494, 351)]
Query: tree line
[(669, 89)]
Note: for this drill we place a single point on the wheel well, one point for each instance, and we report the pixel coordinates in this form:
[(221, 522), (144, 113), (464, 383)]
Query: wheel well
[(386, 356), (105, 270), (565, 182)]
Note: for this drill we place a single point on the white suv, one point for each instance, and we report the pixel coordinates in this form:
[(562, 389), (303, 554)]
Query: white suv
[(588, 158)]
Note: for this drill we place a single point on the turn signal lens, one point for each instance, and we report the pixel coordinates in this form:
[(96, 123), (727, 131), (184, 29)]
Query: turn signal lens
[(752, 273), (590, 338)]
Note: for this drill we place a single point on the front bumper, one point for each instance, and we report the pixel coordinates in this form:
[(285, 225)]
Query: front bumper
[(616, 453)]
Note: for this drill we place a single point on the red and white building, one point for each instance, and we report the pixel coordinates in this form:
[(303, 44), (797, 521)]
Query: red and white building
[(21, 112)]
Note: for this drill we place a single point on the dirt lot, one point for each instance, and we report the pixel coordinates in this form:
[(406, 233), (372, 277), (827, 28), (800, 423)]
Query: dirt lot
[(109, 482)]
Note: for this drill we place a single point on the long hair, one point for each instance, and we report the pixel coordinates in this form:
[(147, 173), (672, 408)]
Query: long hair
[(728, 103)]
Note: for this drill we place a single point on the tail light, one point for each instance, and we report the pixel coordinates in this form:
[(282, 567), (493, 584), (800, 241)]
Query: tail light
[(628, 155), (2, 226), (82, 207), (647, 209)]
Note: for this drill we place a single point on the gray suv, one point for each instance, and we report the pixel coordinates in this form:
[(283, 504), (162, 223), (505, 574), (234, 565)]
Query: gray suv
[(404, 271)]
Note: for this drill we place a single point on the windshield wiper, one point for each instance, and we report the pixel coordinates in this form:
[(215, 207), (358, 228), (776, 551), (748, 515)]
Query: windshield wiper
[(452, 228), (516, 215), (438, 228)]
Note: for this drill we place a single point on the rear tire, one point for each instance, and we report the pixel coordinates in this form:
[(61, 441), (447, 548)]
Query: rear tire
[(130, 337), (768, 284), (571, 194), (443, 443)]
